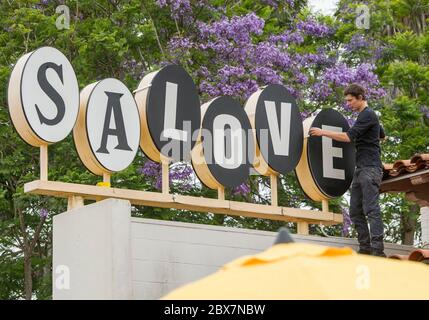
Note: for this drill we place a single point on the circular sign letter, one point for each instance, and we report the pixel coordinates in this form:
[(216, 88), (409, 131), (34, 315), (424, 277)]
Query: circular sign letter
[(170, 108), (275, 116), (43, 96), (107, 132), (326, 167), (225, 149)]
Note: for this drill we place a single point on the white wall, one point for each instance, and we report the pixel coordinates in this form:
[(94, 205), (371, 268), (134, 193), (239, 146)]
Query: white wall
[(113, 256), (94, 245), (424, 216)]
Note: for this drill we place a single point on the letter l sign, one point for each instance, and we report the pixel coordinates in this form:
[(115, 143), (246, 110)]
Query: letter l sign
[(170, 130)]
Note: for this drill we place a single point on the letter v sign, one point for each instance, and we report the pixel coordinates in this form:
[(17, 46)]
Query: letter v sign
[(279, 136)]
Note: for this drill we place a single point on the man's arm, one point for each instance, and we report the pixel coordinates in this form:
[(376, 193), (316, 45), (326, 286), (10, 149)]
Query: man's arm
[(337, 136), (382, 133)]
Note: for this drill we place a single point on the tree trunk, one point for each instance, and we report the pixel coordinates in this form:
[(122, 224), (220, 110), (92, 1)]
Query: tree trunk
[(28, 280), (409, 223)]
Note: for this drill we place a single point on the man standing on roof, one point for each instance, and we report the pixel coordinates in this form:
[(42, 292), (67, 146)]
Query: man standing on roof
[(364, 202)]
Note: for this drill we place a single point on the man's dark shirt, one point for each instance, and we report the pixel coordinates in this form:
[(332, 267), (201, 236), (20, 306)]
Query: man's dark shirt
[(366, 134)]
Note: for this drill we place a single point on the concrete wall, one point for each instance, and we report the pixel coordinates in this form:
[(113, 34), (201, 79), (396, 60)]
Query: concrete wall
[(424, 216), (169, 254), (92, 252), (111, 255)]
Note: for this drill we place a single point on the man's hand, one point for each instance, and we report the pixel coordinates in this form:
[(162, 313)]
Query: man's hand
[(337, 136), (314, 131)]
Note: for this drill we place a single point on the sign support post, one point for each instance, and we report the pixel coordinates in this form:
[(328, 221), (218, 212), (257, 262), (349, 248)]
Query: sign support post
[(106, 179), (274, 197), (44, 162), (325, 205), (165, 169), (221, 193), (302, 228)]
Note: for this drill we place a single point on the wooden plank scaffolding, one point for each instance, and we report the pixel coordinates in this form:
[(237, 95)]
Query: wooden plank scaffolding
[(158, 199), (77, 193)]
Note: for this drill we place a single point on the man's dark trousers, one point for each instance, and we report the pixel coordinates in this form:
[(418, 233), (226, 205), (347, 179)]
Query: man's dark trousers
[(364, 208)]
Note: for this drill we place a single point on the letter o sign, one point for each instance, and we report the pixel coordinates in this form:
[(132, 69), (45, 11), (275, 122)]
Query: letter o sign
[(225, 149), (326, 167), (43, 96)]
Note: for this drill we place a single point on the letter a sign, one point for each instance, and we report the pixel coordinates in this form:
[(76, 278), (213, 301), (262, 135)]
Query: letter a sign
[(107, 132)]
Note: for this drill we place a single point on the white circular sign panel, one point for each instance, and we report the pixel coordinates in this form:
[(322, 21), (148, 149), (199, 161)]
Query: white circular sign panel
[(112, 125), (43, 96)]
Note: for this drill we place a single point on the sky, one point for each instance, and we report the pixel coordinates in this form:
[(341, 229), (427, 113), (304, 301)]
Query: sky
[(327, 7)]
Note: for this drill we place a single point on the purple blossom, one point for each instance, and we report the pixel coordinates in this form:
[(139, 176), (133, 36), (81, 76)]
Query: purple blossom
[(203, 72), (293, 91), (242, 189), (347, 223), (237, 29), (150, 169), (321, 90), (357, 42), (288, 37), (178, 174), (239, 64), (340, 75), (43, 2), (179, 8), (305, 114), (267, 75), (178, 43), (43, 213), (228, 72), (312, 28), (301, 78), (425, 111), (276, 3), (310, 59), (268, 54)]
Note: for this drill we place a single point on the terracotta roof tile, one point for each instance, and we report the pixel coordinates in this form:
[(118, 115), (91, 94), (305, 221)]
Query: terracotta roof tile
[(419, 255), (399, 257), (399, 167)]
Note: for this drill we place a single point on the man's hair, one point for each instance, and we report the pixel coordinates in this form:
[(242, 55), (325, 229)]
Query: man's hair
[(355, 90)]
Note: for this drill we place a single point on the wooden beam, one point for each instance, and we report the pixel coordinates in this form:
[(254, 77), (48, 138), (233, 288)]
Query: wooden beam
[(221, 193), (74, 202), (163, 200), (325, 205), (165, 171), (44, 162), (303, 228), (106, 178), (273, 183)]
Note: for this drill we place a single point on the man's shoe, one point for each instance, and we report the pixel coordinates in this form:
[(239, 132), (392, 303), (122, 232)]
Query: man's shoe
[(363, 251), (378, 254)]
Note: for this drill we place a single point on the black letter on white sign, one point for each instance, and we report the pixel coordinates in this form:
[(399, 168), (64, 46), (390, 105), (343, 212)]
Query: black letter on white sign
[(51, 92), (113, 103)]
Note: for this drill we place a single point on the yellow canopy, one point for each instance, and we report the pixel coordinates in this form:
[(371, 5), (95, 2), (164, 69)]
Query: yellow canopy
[(307, 271)]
